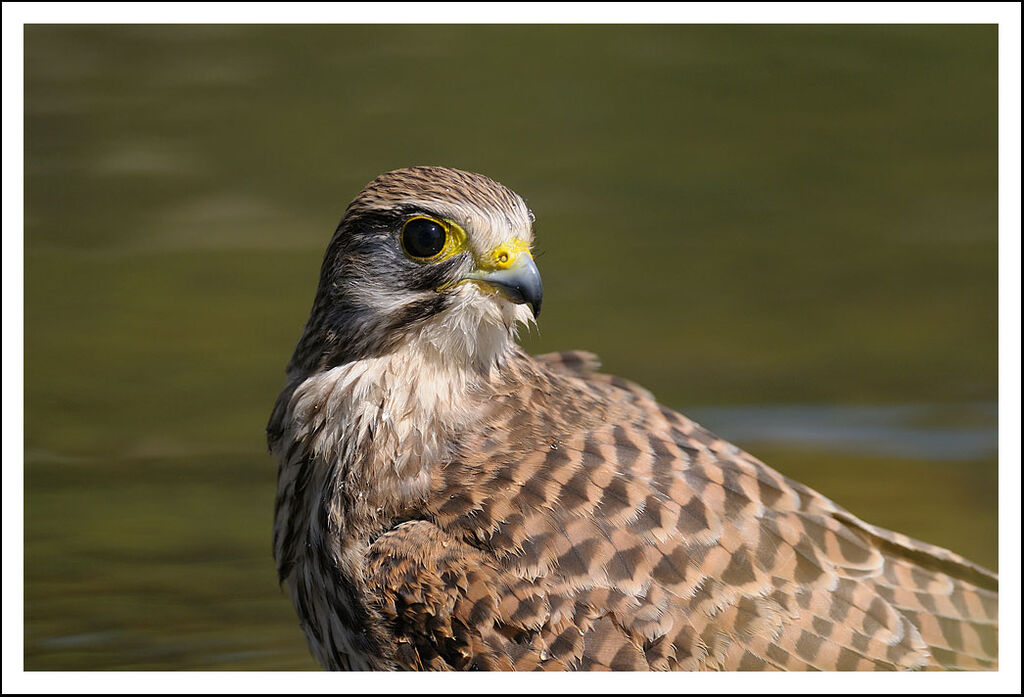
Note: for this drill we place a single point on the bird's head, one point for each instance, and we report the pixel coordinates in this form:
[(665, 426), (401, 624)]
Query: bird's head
[(426, 256)]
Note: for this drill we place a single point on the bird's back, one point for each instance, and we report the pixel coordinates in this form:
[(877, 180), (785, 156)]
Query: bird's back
[(580, 525)]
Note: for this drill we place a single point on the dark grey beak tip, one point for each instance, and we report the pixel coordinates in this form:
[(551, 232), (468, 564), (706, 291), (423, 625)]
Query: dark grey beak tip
[(528, 288), (531, 294)]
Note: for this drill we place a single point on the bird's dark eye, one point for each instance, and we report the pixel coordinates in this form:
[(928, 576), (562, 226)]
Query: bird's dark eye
[(423, 237)]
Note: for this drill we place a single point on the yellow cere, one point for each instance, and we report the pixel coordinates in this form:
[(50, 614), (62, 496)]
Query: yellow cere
[(504, 255)]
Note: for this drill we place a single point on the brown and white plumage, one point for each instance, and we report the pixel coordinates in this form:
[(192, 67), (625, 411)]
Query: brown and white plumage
[(447, 501)]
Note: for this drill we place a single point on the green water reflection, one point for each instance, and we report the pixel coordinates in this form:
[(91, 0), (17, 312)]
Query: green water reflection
[(729, 215)]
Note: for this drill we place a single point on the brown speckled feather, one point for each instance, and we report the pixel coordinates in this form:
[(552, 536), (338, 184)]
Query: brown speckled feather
[(447, 502), (617, 534)]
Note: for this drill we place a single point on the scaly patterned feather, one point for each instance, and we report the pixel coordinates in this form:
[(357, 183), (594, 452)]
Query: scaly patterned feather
[(650, 543)]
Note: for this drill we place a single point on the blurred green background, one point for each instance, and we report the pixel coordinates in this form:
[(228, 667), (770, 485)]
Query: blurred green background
[(787, 232)]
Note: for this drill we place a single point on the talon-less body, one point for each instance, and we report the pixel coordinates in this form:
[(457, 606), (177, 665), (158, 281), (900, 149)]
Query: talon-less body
[(446, 501)]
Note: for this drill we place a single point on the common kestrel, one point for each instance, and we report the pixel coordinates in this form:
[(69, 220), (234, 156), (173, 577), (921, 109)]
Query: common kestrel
[(447, 501)]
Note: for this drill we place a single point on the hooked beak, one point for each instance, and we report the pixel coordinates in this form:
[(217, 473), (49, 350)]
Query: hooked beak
[(514, 276)]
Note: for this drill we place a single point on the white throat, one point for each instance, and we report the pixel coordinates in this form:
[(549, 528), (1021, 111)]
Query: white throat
[(475, 332), (388, 420)]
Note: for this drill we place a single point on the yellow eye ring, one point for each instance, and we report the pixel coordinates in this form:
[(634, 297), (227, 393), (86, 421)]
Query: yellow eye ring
[(424, 238)]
